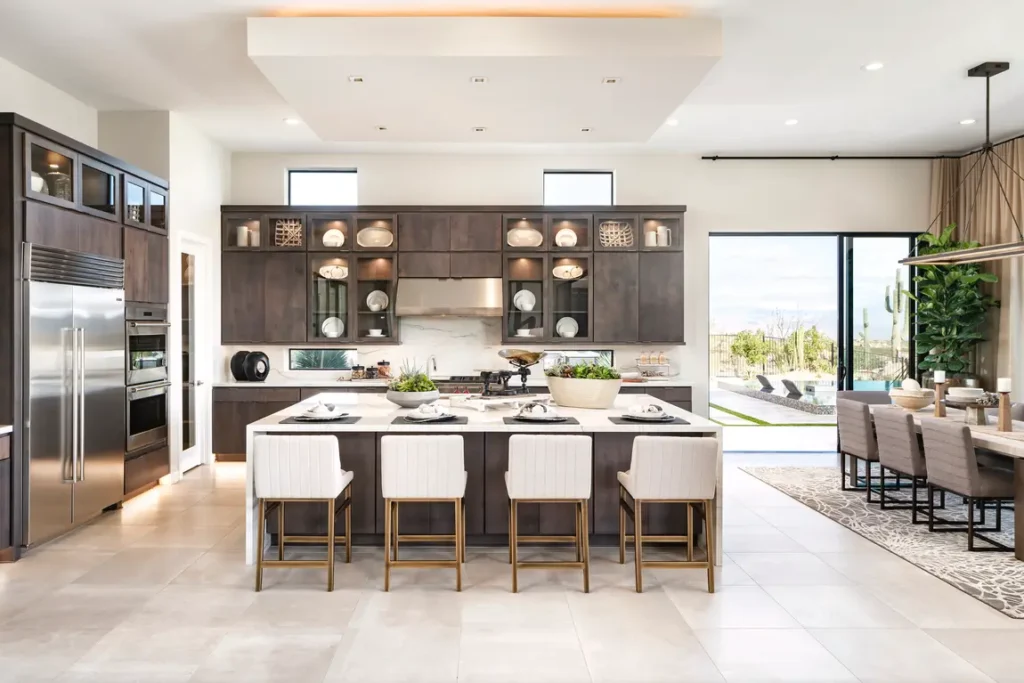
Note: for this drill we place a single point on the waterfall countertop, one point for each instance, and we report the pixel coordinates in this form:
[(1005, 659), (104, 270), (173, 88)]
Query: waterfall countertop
[(6, 429)]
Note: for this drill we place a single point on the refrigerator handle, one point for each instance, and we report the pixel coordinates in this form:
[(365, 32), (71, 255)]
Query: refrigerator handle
[(74, 404), (81, 404), (64, 435)]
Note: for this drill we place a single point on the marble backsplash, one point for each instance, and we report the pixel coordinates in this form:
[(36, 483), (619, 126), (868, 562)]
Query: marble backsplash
[(462, 346)]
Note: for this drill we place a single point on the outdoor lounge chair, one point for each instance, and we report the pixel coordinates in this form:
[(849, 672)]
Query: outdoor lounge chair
[(791, 389), (765, 384)]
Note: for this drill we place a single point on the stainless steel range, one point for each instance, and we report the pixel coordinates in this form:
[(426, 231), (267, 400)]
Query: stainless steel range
[(488, 384)]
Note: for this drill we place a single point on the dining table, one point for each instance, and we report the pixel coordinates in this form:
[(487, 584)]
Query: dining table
[(988, 438)]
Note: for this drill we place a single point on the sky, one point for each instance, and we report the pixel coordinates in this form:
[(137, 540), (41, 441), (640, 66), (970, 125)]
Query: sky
[(752, 276)]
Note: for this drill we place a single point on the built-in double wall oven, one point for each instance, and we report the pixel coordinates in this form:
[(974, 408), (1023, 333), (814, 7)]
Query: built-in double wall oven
[(146, 377)]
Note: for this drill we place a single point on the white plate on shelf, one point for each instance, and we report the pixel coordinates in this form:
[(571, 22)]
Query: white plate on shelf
[(524, 333), (565, 237), (524, 237), (524, 300), (377, 299), (567, 327), (332, 327), (567, 272), (333, 272), (333, 238), (374, 238)]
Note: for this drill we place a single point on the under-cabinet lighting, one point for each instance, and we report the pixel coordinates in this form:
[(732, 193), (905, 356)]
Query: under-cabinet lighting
[(54, 165)]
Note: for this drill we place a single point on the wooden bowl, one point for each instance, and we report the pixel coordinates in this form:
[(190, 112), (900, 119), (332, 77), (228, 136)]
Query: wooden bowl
[(911, 401)]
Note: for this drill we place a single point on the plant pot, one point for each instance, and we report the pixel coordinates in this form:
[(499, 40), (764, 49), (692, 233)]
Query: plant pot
[(584, 393), (412, 399)]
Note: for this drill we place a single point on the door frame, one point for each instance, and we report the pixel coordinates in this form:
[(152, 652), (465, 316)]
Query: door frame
[(202, 248)]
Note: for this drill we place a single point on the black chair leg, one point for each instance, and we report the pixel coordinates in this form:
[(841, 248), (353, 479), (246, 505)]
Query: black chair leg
[(931, 508), (913, 500), (970, 523)]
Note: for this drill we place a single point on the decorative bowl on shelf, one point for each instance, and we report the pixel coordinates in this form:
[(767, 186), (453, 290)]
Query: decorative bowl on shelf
[(375, 238), (412, 399), (333, 272), (524, 237), (567, 272)]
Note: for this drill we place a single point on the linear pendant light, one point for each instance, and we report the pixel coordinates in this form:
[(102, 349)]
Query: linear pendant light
[(985, 163)]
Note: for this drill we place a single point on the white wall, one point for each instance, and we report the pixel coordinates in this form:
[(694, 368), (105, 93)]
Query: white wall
[(141, 138), (722, 196), (34, 98)]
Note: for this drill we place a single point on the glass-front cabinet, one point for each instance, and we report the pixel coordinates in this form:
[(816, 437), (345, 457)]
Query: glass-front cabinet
[(525, 232), (158, 208), (329, 232), (617, 232), (375, 232), (51, 172), (100, 188), (135, 201), (662, 233), (376, 281), (571, 298), (525, 290), (329, 297), (242, 232), (570, 232), (286, 231)]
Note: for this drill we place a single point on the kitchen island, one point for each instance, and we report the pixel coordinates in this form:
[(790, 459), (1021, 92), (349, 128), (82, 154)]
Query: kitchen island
[(486, 437)]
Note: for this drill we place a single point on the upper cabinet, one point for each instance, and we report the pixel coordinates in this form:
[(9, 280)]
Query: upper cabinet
[(424, 231), (330, 232), (475, 231), (158, 208), (570, 232), (286, 231), (101, 187), (51, 172), (662, 233), (525, 232), (617, 232), (375, 232), (135, 193)]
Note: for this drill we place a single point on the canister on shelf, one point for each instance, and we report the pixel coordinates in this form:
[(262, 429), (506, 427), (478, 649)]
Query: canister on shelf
[(358, 372), (384, 369)]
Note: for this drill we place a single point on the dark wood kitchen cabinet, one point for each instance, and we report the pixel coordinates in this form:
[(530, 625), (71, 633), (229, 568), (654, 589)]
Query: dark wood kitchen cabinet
[(661, 302), (424, 264), (234, 408), (616, 292), (145, 266), (5, 495), (475, 232), (423, 231), (51, 226), (475, 264), (263, 296)]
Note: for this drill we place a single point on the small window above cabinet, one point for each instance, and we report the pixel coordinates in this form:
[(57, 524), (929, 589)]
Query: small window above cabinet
[(242, 232), (286, 232), (158, 208), (571, 298), (136, 202), (616, 232), (375, 321), (570, 232), (100, 186), (328, 298), (50, 172), (375, 233), (329, 233), (525, 290), (524, 232), (662, 233)]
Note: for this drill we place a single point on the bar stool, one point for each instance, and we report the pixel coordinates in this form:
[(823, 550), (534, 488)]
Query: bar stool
[(300, 469), (422, 469), (550, 469), (669, 469)]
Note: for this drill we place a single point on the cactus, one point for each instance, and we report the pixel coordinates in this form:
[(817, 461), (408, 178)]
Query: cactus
[(896, 304), (864, 330)]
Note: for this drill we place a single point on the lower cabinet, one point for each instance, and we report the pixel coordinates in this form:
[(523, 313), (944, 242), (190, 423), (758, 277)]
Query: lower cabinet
[(680, 397), (143, 471), (234, 408), (5, 493)]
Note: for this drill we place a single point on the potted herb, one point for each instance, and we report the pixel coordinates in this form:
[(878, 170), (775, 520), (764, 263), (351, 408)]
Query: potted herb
[(583, 385), (951, 305), (412, 388)]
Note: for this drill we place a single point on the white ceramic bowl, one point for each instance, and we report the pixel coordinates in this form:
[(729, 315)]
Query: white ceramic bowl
[(412, 399), (965, 392), (584, 393)]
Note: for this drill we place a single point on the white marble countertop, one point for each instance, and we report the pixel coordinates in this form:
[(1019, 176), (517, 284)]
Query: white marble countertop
[(533, 381), (6, 429), (377, 414)]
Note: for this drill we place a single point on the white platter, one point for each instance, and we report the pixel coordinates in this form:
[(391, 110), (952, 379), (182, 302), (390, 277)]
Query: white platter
[(374, 238), (333, 272), (524, 300), (567, 327), (568, 272), (334, 238), (524, 237), (565, 238), (965, 392), (377, 300), (332, 327)]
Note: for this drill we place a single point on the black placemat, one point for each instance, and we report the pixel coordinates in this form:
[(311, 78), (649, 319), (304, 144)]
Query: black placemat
[(566, 421), (350, 420), (621, 421), (459, 420)]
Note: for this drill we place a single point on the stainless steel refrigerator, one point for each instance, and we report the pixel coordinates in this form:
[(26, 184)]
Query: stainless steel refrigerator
[(75, 421)]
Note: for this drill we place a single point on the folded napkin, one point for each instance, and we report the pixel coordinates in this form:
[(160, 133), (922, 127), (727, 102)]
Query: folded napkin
[(645, 409)]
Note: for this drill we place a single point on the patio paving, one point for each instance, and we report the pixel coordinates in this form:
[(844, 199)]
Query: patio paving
[(763, 410)]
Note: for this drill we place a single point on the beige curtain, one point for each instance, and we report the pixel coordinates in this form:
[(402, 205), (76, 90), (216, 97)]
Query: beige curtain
[(991, 221)]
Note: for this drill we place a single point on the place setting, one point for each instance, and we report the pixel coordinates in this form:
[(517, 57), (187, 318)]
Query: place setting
[(539, 413), (321, 412), (430, 413), (649, 413)]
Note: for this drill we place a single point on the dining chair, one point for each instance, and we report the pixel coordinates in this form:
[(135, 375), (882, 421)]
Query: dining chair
[(856, 443)]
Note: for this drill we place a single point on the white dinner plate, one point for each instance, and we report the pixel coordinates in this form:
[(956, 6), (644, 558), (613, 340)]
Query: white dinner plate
[(567, 327), (567, 272), (377, 297), (524, 237), (374, 237), (565, 237), (333, 272), (524, 300), (334, 238), (332, 327)]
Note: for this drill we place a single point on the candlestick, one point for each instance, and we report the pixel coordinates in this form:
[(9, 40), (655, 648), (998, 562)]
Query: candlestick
[(1005, 423), (939, 377), (1004, 385), (940, 394)]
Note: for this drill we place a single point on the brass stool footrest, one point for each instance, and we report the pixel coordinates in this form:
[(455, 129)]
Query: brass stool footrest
[(549, 564)]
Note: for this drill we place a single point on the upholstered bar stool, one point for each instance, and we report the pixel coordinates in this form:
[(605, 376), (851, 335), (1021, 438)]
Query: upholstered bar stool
[(669, 469), (953, 466), (422, 469), (856, 442), (291, 469), (900, 453), (553, 468)]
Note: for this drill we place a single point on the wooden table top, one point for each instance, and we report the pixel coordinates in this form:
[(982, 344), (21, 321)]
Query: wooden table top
[(984, 436)]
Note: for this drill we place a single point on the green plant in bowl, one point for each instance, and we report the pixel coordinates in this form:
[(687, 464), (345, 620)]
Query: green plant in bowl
[(412, 387), (583, 371)]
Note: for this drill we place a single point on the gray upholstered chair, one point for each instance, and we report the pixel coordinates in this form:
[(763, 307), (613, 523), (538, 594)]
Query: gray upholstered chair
[(870, 397), (856, 442), (953, 466), (900, 452)]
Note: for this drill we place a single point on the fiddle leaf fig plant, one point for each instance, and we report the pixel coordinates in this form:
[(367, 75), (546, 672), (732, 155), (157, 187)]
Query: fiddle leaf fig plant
[(951, 304)]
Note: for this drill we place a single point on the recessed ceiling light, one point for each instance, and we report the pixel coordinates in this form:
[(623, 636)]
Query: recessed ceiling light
[(479, 129), (356, 79), (968, 122), (873, 66), (673, 122), (478, 79), (584, 130), (292, 121), (54, 165), (382, 128), (611, 80), (791, 122)]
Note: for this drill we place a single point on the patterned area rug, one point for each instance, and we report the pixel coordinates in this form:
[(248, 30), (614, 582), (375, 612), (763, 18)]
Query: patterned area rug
[(996, 579)]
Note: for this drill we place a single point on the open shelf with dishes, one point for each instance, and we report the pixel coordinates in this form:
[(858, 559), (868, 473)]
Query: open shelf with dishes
[(525, 298), (329, 298), (570, 232), (662, 233), (375, 285), (375, 232), (571, 298), (241, 232), (329, 232), (525, 232)]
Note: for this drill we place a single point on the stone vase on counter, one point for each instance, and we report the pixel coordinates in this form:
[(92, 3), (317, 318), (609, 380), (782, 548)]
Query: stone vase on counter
[(412, 399), (584, 393)]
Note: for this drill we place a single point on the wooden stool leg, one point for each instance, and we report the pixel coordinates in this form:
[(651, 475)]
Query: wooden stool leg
[(579, 543), (260, 533), (458, 544), (387, 545), (690, 535), (462, 557), (512, 545), (280, 530), (348, 525), (622, 526), (709, 526), (330, 545), (638, 544), (510, 532), (586, 547), (394, 519)]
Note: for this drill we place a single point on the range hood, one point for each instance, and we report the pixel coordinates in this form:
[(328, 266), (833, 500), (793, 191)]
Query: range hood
[(467, 297)]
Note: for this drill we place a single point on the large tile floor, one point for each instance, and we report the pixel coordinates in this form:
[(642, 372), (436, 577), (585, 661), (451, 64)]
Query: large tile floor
[(158, 592)]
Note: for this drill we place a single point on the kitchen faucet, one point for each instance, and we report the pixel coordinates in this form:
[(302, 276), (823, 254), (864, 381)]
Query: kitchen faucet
[(431, 363)]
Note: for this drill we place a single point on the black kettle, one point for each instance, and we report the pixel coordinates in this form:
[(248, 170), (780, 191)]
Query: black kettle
[(250, 366)]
